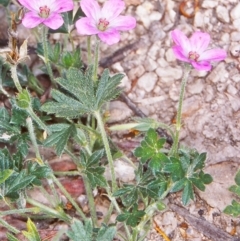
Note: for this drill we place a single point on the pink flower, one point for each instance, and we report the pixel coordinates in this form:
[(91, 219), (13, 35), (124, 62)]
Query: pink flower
[(194, 50), (46, 12), (105, 22)]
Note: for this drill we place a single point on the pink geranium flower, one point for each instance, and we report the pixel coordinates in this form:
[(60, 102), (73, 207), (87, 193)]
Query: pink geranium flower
[(194, 50), (46, 12), (105, 21)]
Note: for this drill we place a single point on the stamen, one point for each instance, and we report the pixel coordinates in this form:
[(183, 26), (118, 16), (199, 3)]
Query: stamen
[(102, 24), (44, 11), (193, 55)]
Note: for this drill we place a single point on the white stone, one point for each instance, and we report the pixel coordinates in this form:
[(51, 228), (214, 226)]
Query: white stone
[(218, 74), (236, 78), (119, 111), (199, 20), (235, 36), (125, 84), (170, 57), (150, 64), (143, 11), (209, 4), (147, 81), (136, 72), (232, 90), (235, 49), (222, 14), (155, 16), (225, 38), (208, 93), (174, 73), (196, 87), (235, 12), (236, 24)]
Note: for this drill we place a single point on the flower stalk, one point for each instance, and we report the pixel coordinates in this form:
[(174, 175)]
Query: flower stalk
[(46, 54), (179, 110)]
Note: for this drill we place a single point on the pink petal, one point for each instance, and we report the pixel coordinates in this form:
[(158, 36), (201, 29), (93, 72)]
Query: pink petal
[(63, 6), (180, 53), (54, 21), (181, 39), (91, 9), (86, 26), (110, 37), (202, 65), (123, 23), (30, 5), (112, 8), (199, 42), (31, 20), (213, 55)]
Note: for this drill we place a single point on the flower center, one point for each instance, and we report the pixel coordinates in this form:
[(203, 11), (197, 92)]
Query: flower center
[(193, 55), (44, 11), (102, 24)]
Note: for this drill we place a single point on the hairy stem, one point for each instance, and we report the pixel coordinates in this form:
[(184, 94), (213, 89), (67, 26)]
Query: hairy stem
[(90, 199), (107, 149), (46, 54), (15, 78), (95, 68), (89, 50), (68, 196), (179, 111), (50, 211)]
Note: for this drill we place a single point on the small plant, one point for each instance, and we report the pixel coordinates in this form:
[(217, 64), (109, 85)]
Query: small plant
[(74, 116)]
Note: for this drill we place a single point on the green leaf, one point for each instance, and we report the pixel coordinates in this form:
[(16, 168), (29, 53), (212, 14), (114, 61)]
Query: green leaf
[(237, 178), (198, 183), (106, 233), (235, 189), (31, 234), (175, 169), (199, 161), (5, 174), (80, 232), (60, 138), (187, 193), (132, 218), (233, 210), (179, 185), (24, 99), (10, 237), (107, 88), (95, 157), (150, 149), (4, 115), (95, 176), (4, 2), (206, 178)]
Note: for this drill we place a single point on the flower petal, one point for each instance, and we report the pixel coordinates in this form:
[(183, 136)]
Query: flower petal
[(180, 53), (109, 37), (213, 55), (181, 39), (91, 9), (63, 6), (86, 26), (31, 20), (199, 42), (112, 8), (54, 21), (30, 5), (123, 23), (202, 65)]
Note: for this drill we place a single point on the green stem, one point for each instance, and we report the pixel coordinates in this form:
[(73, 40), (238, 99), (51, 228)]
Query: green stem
[(179, 111), (64, 191), (107, 149), (52, 212), (90, 199), (20, 211), (38, 120), (109, 213), (46, 54), (15, 78), (8, 226), (67, 173), (95, 68), (33, 139), (89, 50)]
